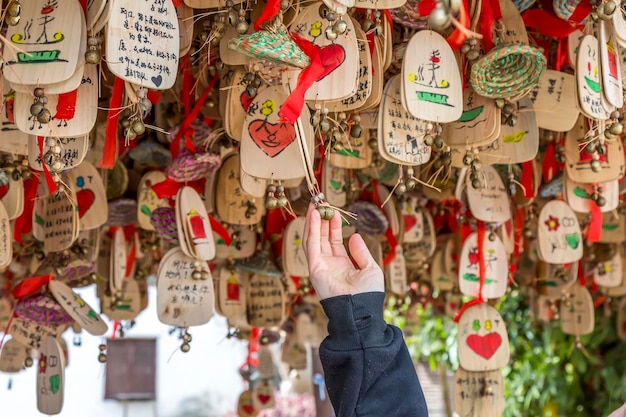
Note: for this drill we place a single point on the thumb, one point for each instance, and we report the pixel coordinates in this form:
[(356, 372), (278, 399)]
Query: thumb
[(360, 253)]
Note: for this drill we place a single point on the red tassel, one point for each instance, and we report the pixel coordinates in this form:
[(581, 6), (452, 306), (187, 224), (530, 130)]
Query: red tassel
[(594, 229), (110, 141)]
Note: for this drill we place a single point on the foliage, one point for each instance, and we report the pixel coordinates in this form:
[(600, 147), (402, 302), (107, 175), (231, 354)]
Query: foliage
[(548, 375)]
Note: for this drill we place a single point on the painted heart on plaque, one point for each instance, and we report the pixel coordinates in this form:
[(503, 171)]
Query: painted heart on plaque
[(573, 240), (84, 200), (245, 100), (409, 222), (264, 398), (486, 345), (248, 408), (332, 56), (271, 138)]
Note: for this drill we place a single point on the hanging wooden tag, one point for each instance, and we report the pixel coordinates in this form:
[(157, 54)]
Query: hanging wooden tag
[(515, 30), (69, 118), (294, 259), (609, 274), (50, 377), (90, 196), (142, 43), (431, 81), (293, 353), (12, 192), (231, 293), (400, 134), (269, 146), (48, 52), (256, 187), (520, 143), (554, 100), (577, 312), (5, 311), (479, 123), (496, 267), (184, 15), (118, 259), (127, 304), (245, 404), (558, 234), (589, 79), (232, 203), (621, 319), (94, 11), (580, 196), (182, 299), (396, 274), (483, 342), (57, 220), (439, 278), (573, 46), (478, 393), (425, 248), (243, 244), (334, 184), (147, 200), (620, 290), (340, 58), (490, 202), (194, 228), (578, 161), (610, 64), (73, 151), (30, 334), (12, 356), (378, 73), (355, 154), (12, 140), (265, 298), (413, 220), (613, 228), (553, 278), (263, 395), (76, 307)]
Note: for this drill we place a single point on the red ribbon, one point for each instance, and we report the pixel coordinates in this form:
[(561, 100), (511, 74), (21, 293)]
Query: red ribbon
[(547, 24), (425, 7), (66, 106), (292, 107), (490, 13), (52, 185), (527, 179), (271, 9), (582, 10), (177, 3), (30, 286), (169, 187), (549, 163), (457, 38), (24, 223), (594, 228), (220, 231), (109, 153), (481, 273)]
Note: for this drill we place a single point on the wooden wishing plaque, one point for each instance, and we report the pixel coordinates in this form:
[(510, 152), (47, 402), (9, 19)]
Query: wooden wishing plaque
[(294, 259), (232, 203), (609, 274), (559, 235), (578, 160), (263, 395), (30, 334), (90, 196), (554, 99), (553, 278), (147, 200), (143, 41), (12, 356), (56, 221), (520, 143), (183, 301), (478, 393), (50, 377), (48, 38), (490, 202), (425, 247), (356, 155), (613, 228), (339, 58), (269, 146), (6, 245), (265, 298), (245, 404), (482, 339), (194, 229), (431, 81), (77, 308), (610, 64), (231, 293), (589, 79), (496, 267), (479, 123), (243, 243), (413, 220), (400, 134), (439, 277), (73, 151), (12, 194), (73, 113), (577, 312), (12, 140), (333, 183), (118, 259), (128, 301), (580, 196), (396, 275), (6, 311)]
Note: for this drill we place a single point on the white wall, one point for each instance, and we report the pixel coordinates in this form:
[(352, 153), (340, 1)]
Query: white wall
[(209, 370)]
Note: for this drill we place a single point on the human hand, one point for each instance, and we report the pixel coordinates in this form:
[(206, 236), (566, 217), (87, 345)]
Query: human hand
[(331, 270)]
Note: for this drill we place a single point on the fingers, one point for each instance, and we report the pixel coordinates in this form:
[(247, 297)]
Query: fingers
[(336, 237), (311, 238), (360, 253)]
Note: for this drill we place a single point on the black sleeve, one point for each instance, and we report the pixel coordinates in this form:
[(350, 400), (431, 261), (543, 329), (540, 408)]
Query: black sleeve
[(367, 367)]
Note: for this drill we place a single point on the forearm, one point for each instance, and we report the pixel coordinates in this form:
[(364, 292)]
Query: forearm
[(368, 369)]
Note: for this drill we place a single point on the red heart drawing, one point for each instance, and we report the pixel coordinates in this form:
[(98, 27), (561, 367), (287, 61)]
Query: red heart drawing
[(264, 398), (331, 56), (4, 189), (248, 408), (272, 138), (409, 222), (245, 100), (84, 199), (486, 345)]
